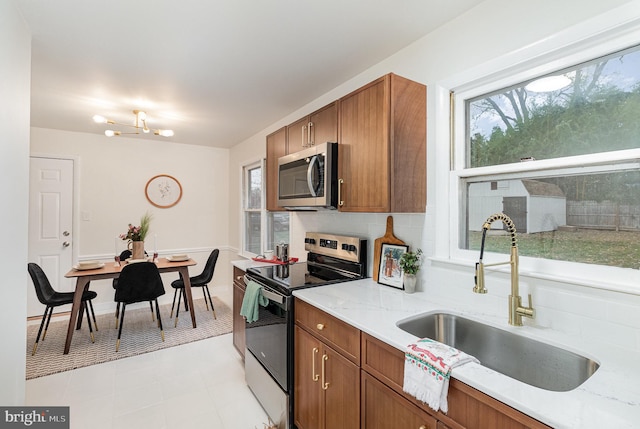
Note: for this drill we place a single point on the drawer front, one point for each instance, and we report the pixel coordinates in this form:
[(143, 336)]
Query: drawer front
[(341, 336), (238, 278)]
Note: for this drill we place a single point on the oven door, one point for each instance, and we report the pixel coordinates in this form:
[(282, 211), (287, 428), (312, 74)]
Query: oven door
[(269, 337)]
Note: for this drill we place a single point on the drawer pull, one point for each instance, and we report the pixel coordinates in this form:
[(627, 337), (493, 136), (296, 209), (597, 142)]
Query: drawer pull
[(320, 326), (325, 385), (239, 278), (314, 376), (424, 427)]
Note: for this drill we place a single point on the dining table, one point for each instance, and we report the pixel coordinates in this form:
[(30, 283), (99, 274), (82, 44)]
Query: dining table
[(110, 270)]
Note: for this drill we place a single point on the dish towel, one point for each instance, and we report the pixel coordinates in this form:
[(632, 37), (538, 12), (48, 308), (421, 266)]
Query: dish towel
[(427, 367), (252, 298)]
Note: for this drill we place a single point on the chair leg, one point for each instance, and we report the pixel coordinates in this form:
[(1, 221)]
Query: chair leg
[(93, 314), (159, 320), (44, 317), (93, 339), (83, 304), (46, 326), (151, 307), (184, 296), (175, 293), (208, 294), (124, 306), (204, 295), (117, 314), (178, 307)]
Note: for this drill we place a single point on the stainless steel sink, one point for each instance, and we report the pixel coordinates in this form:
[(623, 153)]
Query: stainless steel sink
[(529, 361)]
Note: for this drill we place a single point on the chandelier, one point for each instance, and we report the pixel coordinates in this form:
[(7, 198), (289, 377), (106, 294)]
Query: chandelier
[(139, 125)]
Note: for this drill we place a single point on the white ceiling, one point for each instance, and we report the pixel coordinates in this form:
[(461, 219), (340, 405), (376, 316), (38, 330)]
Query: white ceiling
[(214, 71)]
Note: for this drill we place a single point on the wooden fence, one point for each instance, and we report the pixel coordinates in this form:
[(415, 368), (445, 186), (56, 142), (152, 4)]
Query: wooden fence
[(603, 215)]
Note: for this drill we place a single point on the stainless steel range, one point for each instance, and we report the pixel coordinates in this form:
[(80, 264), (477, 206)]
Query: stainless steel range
[(269, 340)]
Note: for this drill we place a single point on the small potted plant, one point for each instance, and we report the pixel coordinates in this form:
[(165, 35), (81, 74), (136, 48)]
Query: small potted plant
[(136, 235), (410, 263)]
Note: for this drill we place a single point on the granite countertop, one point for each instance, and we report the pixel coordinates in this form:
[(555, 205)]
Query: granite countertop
[(610, 398)]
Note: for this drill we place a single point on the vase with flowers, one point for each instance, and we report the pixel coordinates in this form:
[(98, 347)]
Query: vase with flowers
[(410, 263), (136, 235)]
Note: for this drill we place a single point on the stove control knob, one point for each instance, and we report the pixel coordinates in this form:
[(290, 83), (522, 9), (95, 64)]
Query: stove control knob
[(320, 326), (345, 246), (312, 241), (352, 248)]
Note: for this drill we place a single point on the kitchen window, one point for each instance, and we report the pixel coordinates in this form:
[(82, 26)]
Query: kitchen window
[(262, 230), (560, 155)]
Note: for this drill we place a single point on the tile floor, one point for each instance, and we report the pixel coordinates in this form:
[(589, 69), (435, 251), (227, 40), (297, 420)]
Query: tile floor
[(196, 385)]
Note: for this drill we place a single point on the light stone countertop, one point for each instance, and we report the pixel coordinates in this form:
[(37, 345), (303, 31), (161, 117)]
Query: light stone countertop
[(609, 399)]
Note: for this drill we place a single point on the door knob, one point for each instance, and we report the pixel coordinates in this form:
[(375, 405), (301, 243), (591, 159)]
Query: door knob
[(66, 233), (66, 244)]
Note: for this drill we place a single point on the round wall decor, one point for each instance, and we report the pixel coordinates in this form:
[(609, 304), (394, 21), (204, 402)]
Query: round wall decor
[(163, 191)]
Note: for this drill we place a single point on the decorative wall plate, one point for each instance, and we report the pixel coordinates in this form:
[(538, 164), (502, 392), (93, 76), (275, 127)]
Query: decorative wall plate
[(163, 191)]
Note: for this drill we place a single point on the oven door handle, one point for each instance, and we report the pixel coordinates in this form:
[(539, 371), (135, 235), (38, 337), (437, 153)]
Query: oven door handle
[(271, 296)]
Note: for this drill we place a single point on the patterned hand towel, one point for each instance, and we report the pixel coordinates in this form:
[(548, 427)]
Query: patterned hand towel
[(427, 367)]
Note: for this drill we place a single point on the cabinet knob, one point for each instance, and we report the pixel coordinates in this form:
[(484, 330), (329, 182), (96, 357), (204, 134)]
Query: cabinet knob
[(239, 278), (424, 427), (320, 326)]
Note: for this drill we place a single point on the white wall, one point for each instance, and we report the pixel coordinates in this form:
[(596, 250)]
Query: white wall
[(493, 30), (15, 74), (111, 177)]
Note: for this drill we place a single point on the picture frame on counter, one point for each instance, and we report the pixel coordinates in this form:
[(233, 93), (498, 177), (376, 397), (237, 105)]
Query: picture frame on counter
[(390, 273)]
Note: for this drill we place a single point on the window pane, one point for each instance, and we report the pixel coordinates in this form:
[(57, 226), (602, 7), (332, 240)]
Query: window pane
[(595, 109), (252, 232), (254, 191), (589, 218), (278, 229)]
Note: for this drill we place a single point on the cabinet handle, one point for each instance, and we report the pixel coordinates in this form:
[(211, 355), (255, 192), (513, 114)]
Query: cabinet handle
[(325, 385), (310, 136), (302, 140), (320, 326), (340, 201), (314, 376)]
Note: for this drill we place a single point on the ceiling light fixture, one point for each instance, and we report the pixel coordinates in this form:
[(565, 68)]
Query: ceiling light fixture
[(140, 124)]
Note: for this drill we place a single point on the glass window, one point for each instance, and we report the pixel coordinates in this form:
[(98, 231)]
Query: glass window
[(262, 230), (590, 108), (559, 155)]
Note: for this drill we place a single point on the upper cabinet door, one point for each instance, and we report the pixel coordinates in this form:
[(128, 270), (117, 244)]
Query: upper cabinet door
[(276, 147)]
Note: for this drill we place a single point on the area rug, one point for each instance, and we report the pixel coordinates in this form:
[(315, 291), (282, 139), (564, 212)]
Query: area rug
[(139, 335)]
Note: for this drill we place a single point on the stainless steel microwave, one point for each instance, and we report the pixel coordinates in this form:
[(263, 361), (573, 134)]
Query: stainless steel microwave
[(308, 180)]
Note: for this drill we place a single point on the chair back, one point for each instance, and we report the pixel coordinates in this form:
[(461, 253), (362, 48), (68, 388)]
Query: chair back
[(44, 290), (210, 266), (139, 282), (126, 254)]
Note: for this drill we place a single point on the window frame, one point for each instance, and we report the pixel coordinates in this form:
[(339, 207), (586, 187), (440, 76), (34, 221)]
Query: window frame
[(266, 217), (572, 46)]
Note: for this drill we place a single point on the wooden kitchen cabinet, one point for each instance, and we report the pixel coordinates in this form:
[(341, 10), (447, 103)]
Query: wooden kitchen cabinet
[(468, 407), (326, 381), (382, 408), (238, 321), (276, 147), (319, 127), (382, 150)]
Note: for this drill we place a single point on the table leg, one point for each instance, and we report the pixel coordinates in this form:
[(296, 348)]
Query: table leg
[(75, 307), (187, 289)]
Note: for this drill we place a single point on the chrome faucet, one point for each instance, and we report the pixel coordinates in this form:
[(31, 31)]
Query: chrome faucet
[(516, 310)]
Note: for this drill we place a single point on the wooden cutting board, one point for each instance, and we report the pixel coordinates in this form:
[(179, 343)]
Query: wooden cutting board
[(387, 238)]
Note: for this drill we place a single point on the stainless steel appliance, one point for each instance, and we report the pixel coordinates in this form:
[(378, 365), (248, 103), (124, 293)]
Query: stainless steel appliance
[(308, 179), (269, 340)]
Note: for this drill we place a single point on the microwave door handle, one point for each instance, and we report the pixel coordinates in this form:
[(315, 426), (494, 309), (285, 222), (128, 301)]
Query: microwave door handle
[(312, 188)]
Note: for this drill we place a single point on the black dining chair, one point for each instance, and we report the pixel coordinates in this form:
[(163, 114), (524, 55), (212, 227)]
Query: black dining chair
[(139, 282), (51, 298), (201, 280), (124, 255)]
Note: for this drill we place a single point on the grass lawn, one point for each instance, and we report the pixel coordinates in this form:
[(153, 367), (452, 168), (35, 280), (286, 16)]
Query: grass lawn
[(614, 248)]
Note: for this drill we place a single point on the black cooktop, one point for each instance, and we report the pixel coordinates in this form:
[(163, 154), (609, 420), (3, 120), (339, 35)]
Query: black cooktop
[(319, 270)]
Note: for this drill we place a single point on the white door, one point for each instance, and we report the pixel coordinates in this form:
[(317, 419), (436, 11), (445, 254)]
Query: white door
[(50, 224)]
